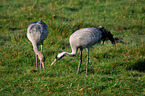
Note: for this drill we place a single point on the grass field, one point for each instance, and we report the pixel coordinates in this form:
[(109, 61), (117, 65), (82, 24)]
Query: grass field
[(113, 70)]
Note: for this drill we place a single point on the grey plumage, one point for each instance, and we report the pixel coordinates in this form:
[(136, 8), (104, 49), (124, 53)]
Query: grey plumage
[(85, 38), (37, 32)]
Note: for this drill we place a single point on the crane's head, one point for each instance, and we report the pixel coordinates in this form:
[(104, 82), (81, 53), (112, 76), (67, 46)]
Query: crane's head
[(58, 57), (106, 34), (41, 58)]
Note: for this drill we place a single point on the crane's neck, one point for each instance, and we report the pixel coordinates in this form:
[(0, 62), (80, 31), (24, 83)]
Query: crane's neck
[(68, 54), (35, 48), (62, 54), (37, 52)]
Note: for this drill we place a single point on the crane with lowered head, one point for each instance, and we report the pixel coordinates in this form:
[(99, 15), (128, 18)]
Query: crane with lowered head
[(37, 32), (85, 38)]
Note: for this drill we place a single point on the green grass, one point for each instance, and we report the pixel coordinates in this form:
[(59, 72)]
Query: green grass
[(113, 70)]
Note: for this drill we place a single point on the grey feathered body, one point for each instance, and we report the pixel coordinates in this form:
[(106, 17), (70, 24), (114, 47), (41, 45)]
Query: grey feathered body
[(85, 38), (37, 32)]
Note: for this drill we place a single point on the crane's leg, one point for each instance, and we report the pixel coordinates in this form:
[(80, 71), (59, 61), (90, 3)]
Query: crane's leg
[(36, 62), (87, 61), (80, 60), (41, 51)]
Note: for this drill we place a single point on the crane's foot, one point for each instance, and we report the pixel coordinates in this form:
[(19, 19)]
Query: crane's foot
[(86, 73)]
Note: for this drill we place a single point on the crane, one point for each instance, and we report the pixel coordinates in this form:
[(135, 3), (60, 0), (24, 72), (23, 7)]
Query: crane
[(37, 32), (85, 38)]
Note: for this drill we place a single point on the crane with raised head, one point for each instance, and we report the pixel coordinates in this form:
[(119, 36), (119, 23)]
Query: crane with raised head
[(37, 32), (85, 38)]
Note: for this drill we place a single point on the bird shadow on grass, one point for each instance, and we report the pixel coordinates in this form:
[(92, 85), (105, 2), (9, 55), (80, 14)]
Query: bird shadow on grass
[(72, 9), (13, 28), (139, 66), (90, 71), (33, 71)]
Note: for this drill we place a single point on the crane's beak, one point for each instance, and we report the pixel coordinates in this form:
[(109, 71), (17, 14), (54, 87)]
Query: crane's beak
[(53, 62), (43, 65)]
